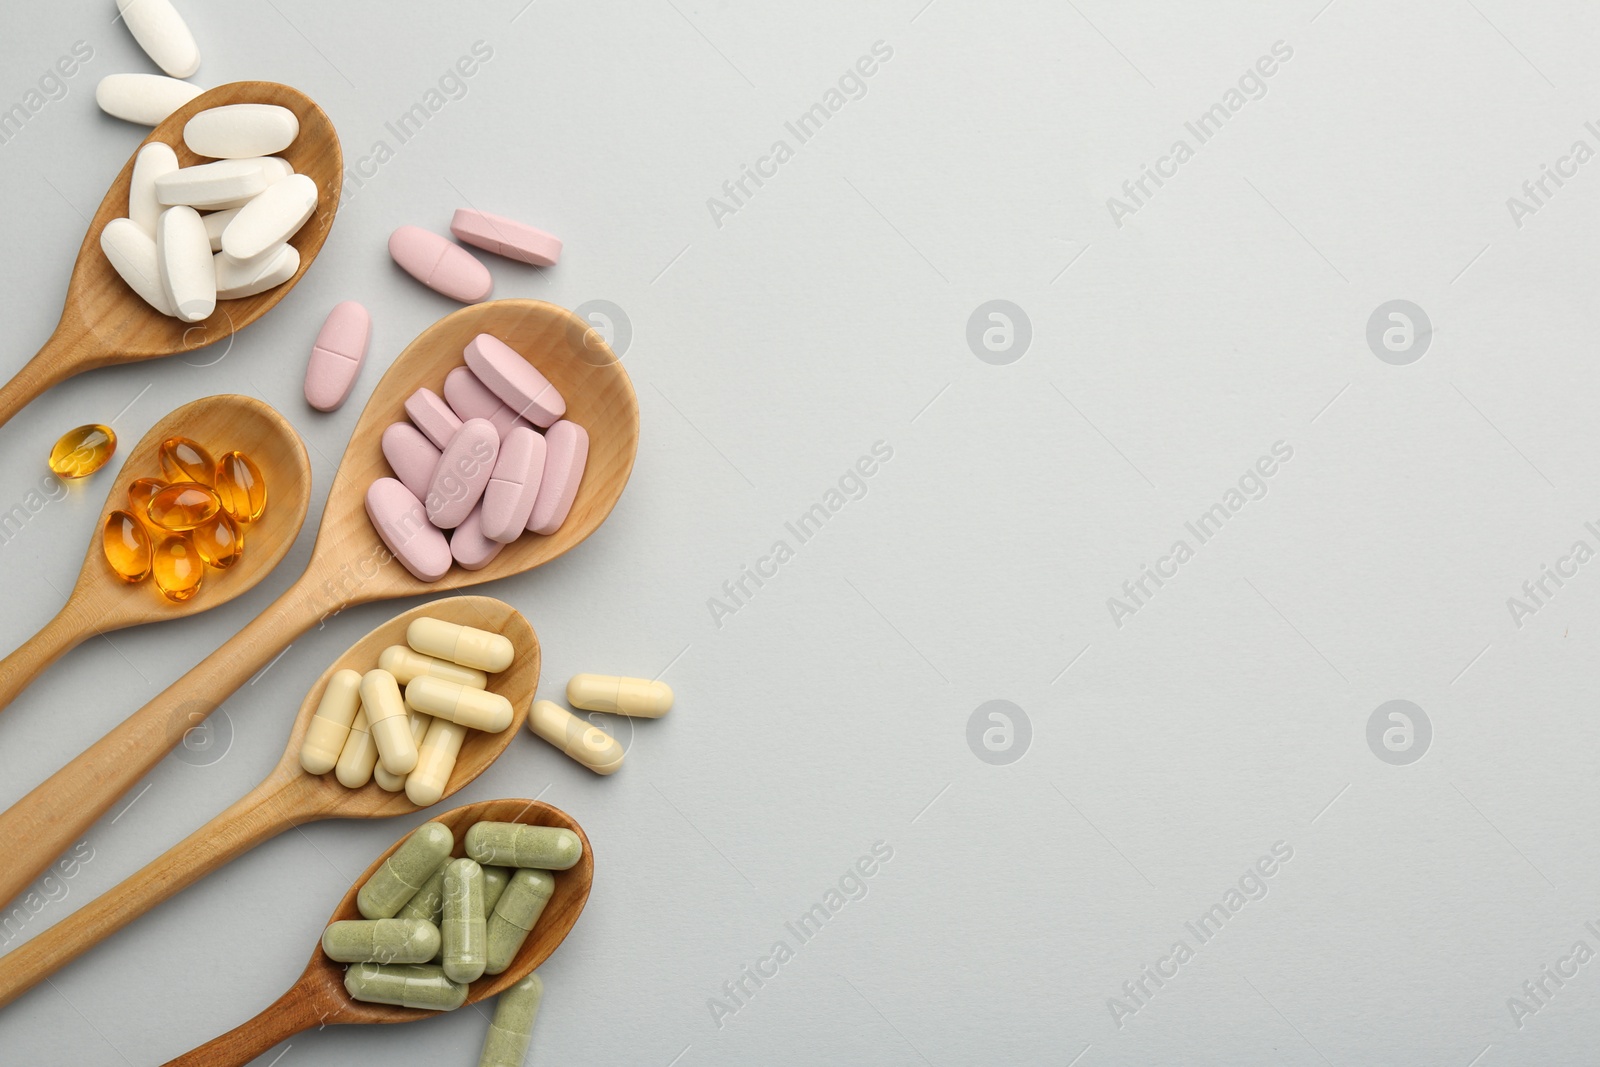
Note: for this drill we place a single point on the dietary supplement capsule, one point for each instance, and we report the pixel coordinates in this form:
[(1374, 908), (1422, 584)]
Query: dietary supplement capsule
[(82, 451), (476, 708), (513, 844), (240, 487), (405, 665), (182, 460), (495, 880), (393, 783), (465, 952), (386, 718), (583, 741), (428, 902), (127, 546), (183, 505), (511, 1029), (359, 755), (465, 645), (436, 758), (415, 985), (140, 490), (325, 736), (515, 914), (638, 697), (219, 540), (176, 567), (404, 872), (381, 941)]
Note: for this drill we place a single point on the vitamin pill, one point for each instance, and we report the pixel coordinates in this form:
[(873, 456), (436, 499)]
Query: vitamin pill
[(183, 506), (465, 645), (514, 485), (183, 258), (163, 35), (359, 755), (411, 456), (517, 383), (127, 547), (428, 902), (394, 783), (271, 218), (462, 929), (216, 222), (182, 460), (337, 355), (132, 254), (433, 417), (566, 455), (464, 469), (471, 399), (513, 844), (404, 872), (405, 665), (381, 941), (212, 185), (140, 490), (325, 736), (146, 99), (441, 265), (273, 169), (386, 719), (495, 880), (436, 758), (176, 567), (506, 237), (237, 279), (219, 541), (477, 709), (239, 487), (511, 1029), (516, 913), (584, 742), (638, 697), (82, 451), (398, 517), (241, 131), (416, 985), (153, 160), (468, 545)]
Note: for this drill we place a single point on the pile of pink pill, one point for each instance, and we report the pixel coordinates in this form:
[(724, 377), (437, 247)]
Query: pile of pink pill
[(473, 471)]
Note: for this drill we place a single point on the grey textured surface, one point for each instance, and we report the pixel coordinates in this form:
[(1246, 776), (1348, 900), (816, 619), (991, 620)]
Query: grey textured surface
[(773, 343)]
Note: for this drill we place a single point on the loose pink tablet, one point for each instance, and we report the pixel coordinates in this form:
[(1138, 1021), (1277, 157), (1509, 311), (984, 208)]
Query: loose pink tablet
[(471, 399), (432, 416), (566, 452), (506, 237), (398, 517), (411, 456), (514, 380), (440, 264), (336, 358), (469, 547), (509, 496), (463, 472)]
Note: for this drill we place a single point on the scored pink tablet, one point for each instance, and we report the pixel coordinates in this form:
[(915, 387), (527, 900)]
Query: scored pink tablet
[(514, 380), (440, 264), (432, 416), (566, 454), (398, 517), (471, 399), (508, 498), (506, 237), (337, 355), (411, 456), (469, 547)]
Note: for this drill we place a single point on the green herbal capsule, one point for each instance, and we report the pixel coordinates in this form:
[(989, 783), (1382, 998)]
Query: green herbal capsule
[(511, 1030), (404, 872), (381, 941), (495, 880), (428, 903), (414, 985), (517, 913), (511, 844), (463, 929)]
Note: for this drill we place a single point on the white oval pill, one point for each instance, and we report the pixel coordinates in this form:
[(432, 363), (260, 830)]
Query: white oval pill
[(239, 131), (146, 99), (153, 160), (274, 216), (216, 222), (132, 254), (464, 469), (399, 520), (514, 485), (336, 358), (163, 35), (212, 185), (183, 256), (238, 279)]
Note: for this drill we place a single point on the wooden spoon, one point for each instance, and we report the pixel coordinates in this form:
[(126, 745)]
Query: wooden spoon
[(319, 997), (288, 796), (102, 602), (105, 322), (349, 564)]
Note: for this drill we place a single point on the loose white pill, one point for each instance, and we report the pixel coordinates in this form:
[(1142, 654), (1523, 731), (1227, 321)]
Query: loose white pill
[(236, 280), (216, 222), (212, 185), (132, 254), (239, 131), (163, 35), (153, 160), (274, 216), (183, 257), (146, 99)]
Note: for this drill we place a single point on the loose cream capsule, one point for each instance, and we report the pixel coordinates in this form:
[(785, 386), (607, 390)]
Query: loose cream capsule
[(435, 760), (405, 665), (513, 844), (511, 1029), (359, 755), (584, 742), (394, 783), (638, 697), (381, 941), (465, 951), (418, 985), (465, 645), (515, 914), (330, 726), (475, 708), (405, 871), (386, 719)]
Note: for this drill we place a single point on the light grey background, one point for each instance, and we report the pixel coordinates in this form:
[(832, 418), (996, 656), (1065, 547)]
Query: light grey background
[(831, 711)]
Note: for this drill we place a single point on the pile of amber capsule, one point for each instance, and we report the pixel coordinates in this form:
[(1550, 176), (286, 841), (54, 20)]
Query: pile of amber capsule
[(191, 517)]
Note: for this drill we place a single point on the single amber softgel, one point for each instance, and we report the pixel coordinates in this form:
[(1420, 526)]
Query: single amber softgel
[(219, 540), (182, 460), (183, 506), (177, 567), (239, 484), (127, 547), (83, 451)]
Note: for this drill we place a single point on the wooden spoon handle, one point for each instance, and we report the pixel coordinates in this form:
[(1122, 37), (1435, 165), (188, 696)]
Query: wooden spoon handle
[(58, 360), (291, 1013), (18, 670)]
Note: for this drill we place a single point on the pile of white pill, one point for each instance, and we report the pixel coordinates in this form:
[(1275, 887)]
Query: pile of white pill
[(365, 730)]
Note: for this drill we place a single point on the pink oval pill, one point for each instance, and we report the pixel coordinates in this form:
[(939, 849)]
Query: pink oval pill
[(471, 399), (469, 547), (506, 237), (398, 517), (411, 456), (432, 416), (514, 486), (440, 264), (463, 472), (514, 380), (566, 453), (337, 355)]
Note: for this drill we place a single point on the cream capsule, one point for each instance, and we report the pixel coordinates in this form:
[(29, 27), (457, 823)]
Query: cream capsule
[(405, 665), (386, 719), (435, 760), (515, 914), (394, 783), (465, 645), (638, 697), (330, 726), (417, 985), (359, 755), (475, 708), (584, 742), (406, 870)]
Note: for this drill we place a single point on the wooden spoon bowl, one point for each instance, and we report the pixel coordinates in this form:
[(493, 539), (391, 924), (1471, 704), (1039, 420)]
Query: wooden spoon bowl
[(105, 322)]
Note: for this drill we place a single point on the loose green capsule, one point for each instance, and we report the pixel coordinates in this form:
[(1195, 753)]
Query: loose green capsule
[(428, 903), (516, 914), (511, 1029), (381, 941), (463, 931), (404, 872), (495, 880), (512, 844), (408, 985)]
